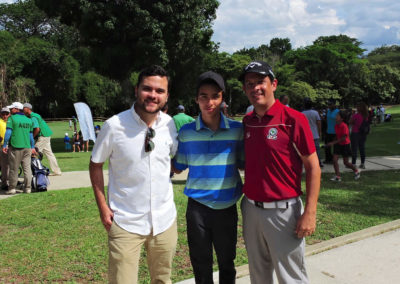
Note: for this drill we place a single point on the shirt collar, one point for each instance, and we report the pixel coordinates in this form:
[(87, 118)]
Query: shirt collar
[(223, 124), (273, 110), (137, 118)]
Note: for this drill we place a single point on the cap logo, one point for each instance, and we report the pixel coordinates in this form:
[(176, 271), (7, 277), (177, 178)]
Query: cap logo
[(272, 134), (252, 65)]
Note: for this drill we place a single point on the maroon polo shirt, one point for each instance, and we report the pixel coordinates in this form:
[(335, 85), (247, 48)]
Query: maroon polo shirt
[(273, 165)]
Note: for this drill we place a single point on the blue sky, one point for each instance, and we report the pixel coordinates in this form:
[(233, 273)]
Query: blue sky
[(250, 23)]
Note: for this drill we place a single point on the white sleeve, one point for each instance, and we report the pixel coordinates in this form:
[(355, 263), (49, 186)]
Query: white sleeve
[(103, 147)]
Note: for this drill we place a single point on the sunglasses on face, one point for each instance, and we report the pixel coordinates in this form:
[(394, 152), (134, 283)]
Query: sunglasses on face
[(148, 143)]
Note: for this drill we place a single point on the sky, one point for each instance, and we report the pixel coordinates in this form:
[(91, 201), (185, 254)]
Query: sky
[(250, 23)]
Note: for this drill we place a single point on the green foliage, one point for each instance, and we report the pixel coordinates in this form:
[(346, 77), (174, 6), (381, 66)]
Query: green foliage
[(99, 92), (385, 55), (297, 92)]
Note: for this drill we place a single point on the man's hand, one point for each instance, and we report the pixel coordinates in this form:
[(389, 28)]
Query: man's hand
[(34, 151), (306, 225), (5, 149), (106, 216)]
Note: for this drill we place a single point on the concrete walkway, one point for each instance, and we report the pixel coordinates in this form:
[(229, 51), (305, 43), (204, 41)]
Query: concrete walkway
[(368, 256)]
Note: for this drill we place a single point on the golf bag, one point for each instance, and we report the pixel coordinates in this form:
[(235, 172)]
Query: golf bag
[(40, 181)]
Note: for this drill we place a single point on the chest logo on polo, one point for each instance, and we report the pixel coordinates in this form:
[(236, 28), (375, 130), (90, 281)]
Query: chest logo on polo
[(272, 134), (247, 135)]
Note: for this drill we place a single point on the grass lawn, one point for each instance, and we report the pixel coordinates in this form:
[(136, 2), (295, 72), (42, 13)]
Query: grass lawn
[(57, 236)]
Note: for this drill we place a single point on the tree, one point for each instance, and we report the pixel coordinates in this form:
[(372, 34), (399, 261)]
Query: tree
[(385, 55), (280, 46), (23, 19), (331, 59), (99, 93), (297, 92)]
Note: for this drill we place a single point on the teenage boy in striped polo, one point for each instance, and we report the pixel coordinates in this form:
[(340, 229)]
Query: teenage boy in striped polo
[(212, 148)]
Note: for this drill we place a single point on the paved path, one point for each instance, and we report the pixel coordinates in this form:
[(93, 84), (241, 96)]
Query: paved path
[(370, 256)]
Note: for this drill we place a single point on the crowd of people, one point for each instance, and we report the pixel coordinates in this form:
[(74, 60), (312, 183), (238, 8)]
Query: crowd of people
[(23, 134)]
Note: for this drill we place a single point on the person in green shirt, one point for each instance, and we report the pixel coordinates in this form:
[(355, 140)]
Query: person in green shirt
[(42, 132), (181, 118), (20, 146)]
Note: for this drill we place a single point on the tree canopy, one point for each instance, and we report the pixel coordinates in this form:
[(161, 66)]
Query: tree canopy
[(55, 53)]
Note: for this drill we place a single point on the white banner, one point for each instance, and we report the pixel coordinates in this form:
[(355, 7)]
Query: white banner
[(85, 121)]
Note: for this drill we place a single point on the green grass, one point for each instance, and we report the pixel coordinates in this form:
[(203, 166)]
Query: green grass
[(57, 236), (68, 161)]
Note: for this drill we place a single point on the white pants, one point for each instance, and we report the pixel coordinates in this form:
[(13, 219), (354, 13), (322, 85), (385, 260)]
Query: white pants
[(43, 144)]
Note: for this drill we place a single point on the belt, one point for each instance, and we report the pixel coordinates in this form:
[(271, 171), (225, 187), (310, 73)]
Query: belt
[(274, 204)]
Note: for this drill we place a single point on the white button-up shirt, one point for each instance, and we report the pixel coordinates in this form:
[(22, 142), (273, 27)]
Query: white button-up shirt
[(139, 189)]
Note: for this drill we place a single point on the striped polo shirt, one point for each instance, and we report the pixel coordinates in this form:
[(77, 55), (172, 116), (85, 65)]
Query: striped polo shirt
[(213, 159)]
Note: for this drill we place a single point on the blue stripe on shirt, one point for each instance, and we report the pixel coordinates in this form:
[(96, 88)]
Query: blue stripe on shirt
[(213, 159)]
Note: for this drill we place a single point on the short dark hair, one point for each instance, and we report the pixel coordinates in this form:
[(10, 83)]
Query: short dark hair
[(307, 103), (342, 114), (152, 70)]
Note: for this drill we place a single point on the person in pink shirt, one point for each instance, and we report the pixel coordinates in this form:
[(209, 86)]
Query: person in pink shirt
[(358, 135), (341, 147)]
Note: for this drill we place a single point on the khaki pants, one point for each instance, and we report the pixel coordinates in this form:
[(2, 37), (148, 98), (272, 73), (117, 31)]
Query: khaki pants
[(4, 169), (15, 158), (43, 144), (124, 253)]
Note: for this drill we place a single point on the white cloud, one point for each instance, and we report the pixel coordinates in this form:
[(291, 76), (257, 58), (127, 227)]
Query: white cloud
[(252, 23)]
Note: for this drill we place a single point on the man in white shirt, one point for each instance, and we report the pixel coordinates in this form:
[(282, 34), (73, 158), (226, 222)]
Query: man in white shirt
[(140, 209)]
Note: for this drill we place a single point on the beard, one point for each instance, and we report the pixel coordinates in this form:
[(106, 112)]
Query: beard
[(142, 106)]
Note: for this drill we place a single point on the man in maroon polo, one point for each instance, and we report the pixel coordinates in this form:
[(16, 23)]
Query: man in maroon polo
[(278, 143)]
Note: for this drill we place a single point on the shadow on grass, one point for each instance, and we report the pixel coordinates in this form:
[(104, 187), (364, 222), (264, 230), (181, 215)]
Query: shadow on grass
[(375, 194)]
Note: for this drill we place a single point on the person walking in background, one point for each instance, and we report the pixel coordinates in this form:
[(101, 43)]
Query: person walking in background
[(360, 124), (330, 129), (19, 135), (74, 121), (83, 143), (67, 142), (315, 124), (211, 147), (342, 148), (140, 208), (5, 113), (42, 133), (381, 114), (278, 143), (181, 118), (284, 99), (76, 142)]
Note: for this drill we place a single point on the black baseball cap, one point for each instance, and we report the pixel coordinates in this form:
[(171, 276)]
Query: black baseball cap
[(211, 76), (259, 67)]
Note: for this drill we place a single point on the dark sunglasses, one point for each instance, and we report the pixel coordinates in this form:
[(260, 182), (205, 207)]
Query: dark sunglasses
[(148, 144)]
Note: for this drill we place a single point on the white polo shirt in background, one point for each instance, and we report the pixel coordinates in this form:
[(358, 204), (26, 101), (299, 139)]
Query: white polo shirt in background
[(139, 189)]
